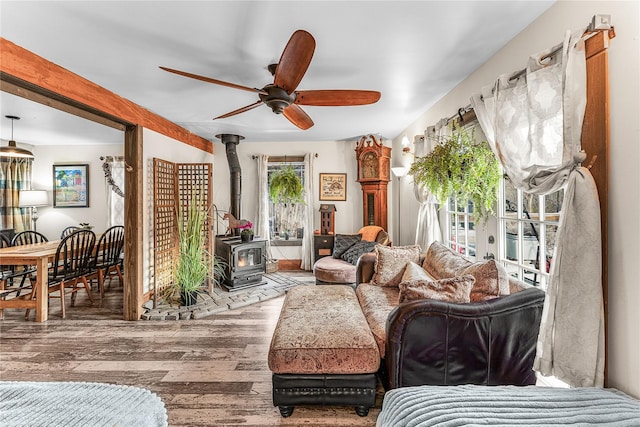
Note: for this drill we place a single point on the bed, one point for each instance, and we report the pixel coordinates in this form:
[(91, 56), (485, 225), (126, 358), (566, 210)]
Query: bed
[(471, 405)]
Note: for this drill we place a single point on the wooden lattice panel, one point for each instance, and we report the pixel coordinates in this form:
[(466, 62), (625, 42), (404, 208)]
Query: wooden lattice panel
[(164, 223), (193, 184), (174, 186)]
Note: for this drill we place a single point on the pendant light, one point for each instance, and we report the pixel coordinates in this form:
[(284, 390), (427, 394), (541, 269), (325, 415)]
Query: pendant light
[(11, 150)]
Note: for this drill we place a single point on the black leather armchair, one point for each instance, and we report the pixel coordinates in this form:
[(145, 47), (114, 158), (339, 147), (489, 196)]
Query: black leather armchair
[(438, 343)]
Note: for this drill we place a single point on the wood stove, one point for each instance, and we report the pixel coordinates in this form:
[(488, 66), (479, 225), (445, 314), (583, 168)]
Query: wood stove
[(246, 261)]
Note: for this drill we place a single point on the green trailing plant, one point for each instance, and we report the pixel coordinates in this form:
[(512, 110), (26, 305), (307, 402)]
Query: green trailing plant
[(285, 186), (462, 167)]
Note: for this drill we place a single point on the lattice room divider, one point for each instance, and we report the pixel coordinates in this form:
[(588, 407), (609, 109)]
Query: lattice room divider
[(174, 185)]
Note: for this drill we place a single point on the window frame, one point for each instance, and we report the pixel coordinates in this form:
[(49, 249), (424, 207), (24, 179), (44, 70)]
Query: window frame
[(296, 162), (541, 222)]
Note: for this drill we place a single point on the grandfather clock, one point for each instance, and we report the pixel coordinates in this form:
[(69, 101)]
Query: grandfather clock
[(373, 175)]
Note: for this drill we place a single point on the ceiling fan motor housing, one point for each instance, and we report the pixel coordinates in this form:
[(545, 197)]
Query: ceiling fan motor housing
[(276, 98)]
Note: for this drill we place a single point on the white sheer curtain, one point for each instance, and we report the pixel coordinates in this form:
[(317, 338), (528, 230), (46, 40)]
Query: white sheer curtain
[(428, 226), (307, 240), (262, 220), (114, 181), (533, 124)]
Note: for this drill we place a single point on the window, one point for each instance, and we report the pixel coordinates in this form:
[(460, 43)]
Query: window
[(527, 228), (286, 221), (460, 232)]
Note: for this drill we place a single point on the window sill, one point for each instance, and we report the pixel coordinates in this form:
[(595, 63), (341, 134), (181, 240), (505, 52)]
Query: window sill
[(282, 242)]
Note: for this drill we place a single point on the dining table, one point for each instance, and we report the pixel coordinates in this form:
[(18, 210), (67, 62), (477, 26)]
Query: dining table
[(40, 255)]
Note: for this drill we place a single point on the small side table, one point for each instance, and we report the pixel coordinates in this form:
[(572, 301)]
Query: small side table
[(322, 246)]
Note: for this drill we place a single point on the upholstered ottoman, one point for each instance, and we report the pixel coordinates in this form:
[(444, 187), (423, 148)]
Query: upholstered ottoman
[(329, 270), (322, 351)]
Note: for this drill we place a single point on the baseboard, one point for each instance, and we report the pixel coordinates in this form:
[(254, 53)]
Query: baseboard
[(289, 264)]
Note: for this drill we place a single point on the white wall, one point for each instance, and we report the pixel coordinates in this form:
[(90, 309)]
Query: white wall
[(624, 187), (162, 147), (333, 157), (51, 221)]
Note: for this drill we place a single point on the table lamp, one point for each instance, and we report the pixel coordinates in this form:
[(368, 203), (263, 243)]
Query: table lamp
[(32, 199)]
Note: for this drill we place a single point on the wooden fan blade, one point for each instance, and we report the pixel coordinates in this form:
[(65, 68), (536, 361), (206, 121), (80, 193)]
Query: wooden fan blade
[(294, 61), (336, 98), (215, 81), (239, 110), (298, 117)]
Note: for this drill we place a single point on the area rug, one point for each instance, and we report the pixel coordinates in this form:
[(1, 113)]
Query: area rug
[(209, 304), (80, 404)]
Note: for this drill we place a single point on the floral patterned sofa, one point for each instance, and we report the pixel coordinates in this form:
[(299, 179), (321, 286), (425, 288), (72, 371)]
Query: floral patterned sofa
[(439, 319)]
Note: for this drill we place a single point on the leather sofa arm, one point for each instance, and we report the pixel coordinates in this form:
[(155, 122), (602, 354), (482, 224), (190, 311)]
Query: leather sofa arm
[(365, 267), (487, 343)]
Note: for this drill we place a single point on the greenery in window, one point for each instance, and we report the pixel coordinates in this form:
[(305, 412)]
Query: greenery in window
[(285, 186), (462, 167)]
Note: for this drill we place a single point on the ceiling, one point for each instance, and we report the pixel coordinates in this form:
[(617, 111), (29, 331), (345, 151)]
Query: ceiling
[(413, 52)]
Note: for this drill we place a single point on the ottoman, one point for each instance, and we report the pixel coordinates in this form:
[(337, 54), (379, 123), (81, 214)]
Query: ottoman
[(322, 351)]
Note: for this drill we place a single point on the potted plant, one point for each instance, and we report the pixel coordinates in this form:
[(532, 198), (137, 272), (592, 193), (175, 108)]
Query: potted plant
[(194, 263), (285, 186), (246, 233), (462, 167)]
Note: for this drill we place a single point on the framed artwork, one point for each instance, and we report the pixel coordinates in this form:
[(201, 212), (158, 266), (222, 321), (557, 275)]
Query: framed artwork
[(333, 186), (71, 186)]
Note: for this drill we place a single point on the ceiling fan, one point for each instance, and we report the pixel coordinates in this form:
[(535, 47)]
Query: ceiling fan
[(281, 96)]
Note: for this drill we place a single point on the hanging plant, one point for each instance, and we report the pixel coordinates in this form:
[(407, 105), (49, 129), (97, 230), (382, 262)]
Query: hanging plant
[(285, 186), (463, 167)]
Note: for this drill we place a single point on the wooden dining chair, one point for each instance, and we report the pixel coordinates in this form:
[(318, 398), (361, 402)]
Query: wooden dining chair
[(107, 256), (68, 230), (70, 266), (6, 271), (28, 237), (27, 271)]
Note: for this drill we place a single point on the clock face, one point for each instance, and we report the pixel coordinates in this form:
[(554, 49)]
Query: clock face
[(369, 165)]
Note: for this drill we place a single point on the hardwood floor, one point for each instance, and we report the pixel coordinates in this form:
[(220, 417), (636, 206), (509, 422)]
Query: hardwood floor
[(208, 372)]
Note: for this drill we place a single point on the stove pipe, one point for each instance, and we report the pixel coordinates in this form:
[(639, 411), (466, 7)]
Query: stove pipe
[(231, 141)]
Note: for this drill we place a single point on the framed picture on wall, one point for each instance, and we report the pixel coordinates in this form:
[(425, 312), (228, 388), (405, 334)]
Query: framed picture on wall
[(333, 186), (71, 186)]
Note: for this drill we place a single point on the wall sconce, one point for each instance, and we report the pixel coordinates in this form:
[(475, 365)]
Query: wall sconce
[(32, 199), (405, 145)]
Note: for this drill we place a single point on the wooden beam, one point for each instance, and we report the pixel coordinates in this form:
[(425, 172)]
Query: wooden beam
[(8, 84), (24, 66), (595, 143), (133, 227)]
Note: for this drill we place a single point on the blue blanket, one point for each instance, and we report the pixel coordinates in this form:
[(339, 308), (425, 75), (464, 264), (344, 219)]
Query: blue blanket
[(471, 405)]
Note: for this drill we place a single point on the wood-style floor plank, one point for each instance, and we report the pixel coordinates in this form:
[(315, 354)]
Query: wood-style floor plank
[(208, 372)]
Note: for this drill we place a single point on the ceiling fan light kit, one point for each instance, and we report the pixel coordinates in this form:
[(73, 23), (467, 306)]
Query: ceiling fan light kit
[(281, 96)]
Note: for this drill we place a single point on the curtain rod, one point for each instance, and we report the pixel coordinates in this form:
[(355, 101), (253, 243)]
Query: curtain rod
[(598, 23), (255, 156), (111, 158)]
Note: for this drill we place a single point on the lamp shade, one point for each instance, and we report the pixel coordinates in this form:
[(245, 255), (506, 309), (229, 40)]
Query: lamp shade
[(30, 198), (12, 150), (400, 171)]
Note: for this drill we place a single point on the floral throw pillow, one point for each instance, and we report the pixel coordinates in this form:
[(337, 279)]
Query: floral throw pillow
[(391, 262), (492, 280), (342, 242), (452, 289), (413, 271)]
